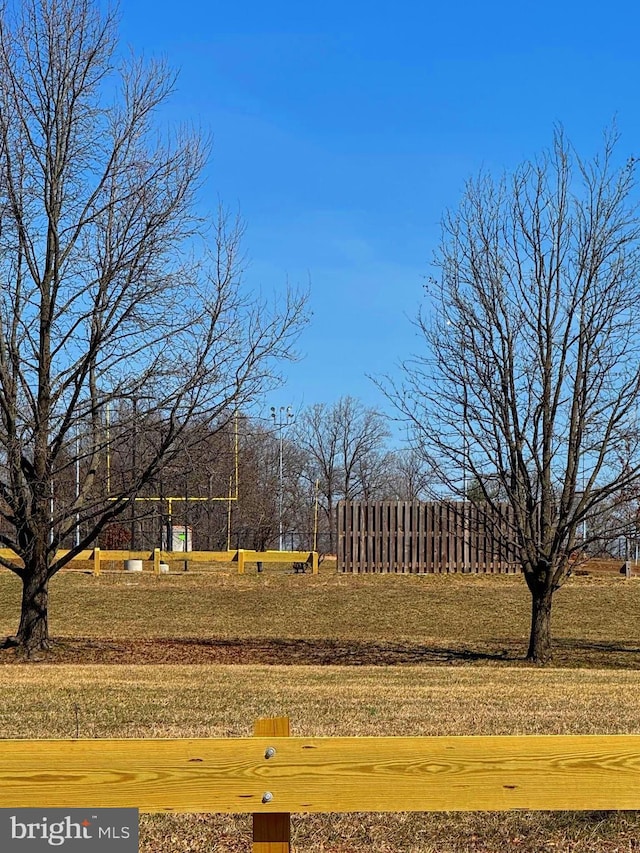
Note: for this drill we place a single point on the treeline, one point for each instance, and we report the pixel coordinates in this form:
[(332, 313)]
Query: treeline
[(225, 485), (222, 482)]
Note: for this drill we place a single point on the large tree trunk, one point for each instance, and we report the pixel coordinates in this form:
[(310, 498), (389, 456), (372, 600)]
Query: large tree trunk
[(33, 633), (540, 637)]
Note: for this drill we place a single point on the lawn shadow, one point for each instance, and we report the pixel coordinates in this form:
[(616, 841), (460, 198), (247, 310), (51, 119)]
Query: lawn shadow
[(572, 653)]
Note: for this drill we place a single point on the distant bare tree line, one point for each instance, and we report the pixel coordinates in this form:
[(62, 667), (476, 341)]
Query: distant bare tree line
[(330, 452), (223, 481)]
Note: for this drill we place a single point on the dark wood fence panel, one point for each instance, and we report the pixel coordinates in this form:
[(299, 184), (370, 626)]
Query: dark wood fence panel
[(425, 536)]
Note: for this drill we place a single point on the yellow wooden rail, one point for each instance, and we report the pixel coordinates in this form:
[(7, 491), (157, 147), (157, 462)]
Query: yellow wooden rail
[(334, 774), (272, 775), (99, 556), (308, 557)]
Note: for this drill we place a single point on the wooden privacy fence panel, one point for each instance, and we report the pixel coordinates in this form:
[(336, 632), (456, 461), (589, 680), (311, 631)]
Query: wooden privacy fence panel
[(425, 536)]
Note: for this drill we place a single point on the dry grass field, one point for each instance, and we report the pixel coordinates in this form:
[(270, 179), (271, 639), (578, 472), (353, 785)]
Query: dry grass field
[(205, 654)]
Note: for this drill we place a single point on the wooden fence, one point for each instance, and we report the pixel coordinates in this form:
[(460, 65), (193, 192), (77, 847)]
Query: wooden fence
[(155, 558), (421, 536), (272, 775)]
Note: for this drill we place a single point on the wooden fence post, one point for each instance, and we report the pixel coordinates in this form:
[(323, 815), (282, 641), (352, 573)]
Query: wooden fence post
[(314, 562), (272, 832), (96, 562), (156, 561), (240, 561)]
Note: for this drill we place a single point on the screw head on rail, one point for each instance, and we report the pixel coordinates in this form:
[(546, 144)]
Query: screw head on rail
[(267, 797), (270, 752)]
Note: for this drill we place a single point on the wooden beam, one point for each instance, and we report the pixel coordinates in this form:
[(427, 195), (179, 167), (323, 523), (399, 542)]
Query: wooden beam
[(272, 832), (277, 556), (385, 774)]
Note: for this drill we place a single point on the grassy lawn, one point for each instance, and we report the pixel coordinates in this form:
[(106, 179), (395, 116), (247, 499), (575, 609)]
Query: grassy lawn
[(386, 632), (362, 619)]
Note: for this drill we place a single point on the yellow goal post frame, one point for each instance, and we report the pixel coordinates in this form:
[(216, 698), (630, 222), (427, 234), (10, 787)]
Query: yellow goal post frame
[(229, 498), (233, 493)]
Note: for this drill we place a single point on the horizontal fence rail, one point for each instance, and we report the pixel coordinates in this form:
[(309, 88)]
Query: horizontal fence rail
[(98, 557), (425, 537), (272, 775), (333, 774)]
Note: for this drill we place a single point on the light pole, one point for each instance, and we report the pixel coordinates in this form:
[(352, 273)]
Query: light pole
[(77, 485), (281, 418), (134, 473), (465, 532), (584, 520), (465, 454)]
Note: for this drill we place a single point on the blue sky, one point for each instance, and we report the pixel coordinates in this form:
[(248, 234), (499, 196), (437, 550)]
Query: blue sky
[(342, 131)]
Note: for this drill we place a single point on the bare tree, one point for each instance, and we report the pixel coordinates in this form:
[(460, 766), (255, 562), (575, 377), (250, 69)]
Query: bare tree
[(103, 305), (529, 383), (408, 476), (256, 514), (343, 444)]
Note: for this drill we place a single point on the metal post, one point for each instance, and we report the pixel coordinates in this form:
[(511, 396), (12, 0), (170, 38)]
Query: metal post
[(186, 519), (229, 518), (77, 485), (51, 509), (280, 496), (315, 518), (464, 490), (281, 419), (108, 426), (134, 472), (584, 520), (164, 545), (451, 324)]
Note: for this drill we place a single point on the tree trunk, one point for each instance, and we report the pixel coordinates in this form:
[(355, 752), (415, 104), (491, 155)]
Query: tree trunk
[(540, 637), (33, 633), (332, 521)]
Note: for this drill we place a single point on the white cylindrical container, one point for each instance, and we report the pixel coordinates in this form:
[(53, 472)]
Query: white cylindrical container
[(133, 565), (164, 568)]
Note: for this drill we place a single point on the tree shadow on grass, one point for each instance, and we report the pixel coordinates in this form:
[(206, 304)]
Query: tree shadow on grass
[(572, 653)]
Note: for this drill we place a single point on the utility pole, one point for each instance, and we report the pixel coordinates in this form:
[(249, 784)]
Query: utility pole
[(77, 537), (465, 456), (134, 474), (281, 419)]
